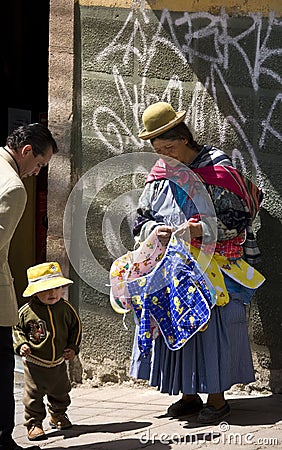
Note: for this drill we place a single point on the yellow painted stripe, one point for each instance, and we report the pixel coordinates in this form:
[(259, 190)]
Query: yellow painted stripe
[(213, 6)]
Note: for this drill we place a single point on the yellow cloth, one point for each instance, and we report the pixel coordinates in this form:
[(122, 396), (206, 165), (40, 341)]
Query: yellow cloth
[(239, 270)]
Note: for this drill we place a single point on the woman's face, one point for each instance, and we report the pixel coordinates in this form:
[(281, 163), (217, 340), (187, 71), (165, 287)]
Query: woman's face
[(176, 148)]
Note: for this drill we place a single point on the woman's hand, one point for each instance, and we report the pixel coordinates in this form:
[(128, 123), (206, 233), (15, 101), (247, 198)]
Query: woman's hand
[(190, 230), (164, 233)]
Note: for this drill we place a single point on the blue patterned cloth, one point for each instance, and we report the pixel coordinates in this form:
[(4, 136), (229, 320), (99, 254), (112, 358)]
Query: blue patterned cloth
[(178, 296)]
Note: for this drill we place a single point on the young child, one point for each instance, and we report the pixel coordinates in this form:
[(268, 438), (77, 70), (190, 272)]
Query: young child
[(48, 334)]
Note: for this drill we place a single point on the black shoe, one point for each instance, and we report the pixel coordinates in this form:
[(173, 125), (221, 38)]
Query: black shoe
[(211, 415), (185, 407)]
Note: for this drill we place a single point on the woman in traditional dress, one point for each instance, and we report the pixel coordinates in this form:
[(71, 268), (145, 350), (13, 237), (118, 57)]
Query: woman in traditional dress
[(219, 357)]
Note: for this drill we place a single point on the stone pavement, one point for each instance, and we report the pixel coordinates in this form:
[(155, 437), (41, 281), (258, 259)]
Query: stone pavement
[(129, 417)]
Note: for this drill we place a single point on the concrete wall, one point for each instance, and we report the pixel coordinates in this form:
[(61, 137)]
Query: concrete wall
[(109, 60)]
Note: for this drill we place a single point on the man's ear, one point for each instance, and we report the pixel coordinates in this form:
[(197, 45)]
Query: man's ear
[(25, 150)]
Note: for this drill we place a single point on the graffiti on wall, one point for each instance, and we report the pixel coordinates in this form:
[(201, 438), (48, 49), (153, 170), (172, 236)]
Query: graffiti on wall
[(261, 62), (118, 121)]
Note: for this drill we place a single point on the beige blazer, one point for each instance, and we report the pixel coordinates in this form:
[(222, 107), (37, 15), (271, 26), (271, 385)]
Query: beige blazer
[(13, 199)]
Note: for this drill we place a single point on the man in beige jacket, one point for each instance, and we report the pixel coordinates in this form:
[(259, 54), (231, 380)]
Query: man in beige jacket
[(27, 150)]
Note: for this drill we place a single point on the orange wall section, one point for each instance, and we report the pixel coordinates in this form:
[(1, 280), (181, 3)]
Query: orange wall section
[(230, 6)]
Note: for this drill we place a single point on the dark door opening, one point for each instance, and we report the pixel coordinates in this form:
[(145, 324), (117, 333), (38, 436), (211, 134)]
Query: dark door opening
[(24, 79)]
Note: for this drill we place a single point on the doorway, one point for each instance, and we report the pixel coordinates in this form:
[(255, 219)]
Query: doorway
[(24, 58)]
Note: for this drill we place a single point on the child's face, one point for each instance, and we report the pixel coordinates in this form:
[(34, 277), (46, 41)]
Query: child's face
[(51, 296)]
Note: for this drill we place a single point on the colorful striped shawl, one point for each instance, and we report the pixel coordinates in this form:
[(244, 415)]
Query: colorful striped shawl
[(230, 178), (224, 176)]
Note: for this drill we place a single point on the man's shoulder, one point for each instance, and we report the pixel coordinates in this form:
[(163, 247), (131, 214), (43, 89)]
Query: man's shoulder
[(9, 179)]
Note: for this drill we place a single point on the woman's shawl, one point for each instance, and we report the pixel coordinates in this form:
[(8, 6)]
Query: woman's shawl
[(224, 176), (208, 167)]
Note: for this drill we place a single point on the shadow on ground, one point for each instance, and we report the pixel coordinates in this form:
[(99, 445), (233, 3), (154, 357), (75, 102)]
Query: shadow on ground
[(116, 427), (124, 444), (250, 411)]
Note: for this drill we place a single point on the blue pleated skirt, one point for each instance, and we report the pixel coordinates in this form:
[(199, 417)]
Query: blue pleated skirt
[(210, 362)]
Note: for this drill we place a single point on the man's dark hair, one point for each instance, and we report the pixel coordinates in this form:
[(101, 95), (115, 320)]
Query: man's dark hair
[(178, 132), (34, 134)]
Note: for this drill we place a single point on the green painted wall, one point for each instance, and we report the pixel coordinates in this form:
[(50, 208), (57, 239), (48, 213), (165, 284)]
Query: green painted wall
[(224, 67)]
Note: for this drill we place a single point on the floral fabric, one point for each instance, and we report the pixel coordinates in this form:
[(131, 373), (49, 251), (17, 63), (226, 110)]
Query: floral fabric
[(175, 294)]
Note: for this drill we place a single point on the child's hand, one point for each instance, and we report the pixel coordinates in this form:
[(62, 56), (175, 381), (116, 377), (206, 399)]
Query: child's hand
[(68, 354), (25, 350)]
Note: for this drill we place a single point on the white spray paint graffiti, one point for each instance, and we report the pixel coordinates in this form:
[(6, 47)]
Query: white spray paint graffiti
[(144, 49), (119, 131), (267, 123)]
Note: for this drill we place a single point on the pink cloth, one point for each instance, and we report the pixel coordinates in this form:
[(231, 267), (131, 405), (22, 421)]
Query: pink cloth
[(224, 176)]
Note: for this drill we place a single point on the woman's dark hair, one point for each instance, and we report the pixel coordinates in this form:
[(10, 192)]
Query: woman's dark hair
[(34, 134), (178, 132)]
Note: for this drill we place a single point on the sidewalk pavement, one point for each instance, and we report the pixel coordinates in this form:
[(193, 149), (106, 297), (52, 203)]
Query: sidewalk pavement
[(126, 417)]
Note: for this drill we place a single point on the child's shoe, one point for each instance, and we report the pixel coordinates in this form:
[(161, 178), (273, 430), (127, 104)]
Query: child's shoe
[(35, 432), (60, 422)]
